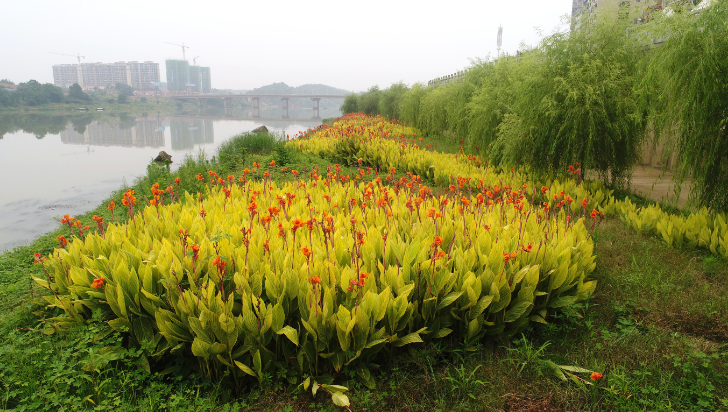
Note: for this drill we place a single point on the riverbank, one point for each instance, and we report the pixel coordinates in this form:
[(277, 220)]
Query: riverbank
[(134, 105), (654, 327)]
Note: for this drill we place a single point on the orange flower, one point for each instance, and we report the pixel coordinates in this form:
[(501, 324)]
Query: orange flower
[(306, 252), (315, 280), (543, 189), (584, 202), (219, 264), (252, 206), (112, 205), (203, 213), (431, 213), (199, 177), (596, 376), (272, 163), (62, 240), (594, 214), (195, 251), (438, 241), (177, 180), (98, 283)]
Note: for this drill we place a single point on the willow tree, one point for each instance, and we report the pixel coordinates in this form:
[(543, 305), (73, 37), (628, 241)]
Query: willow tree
[(492, 102), (391, 98), (578, 102), (409, 107), (689, 70)]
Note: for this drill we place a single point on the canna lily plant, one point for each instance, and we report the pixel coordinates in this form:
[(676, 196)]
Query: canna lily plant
[(332, 270)]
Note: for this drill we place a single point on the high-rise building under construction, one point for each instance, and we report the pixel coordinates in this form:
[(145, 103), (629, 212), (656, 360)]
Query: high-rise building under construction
[(181, 77)]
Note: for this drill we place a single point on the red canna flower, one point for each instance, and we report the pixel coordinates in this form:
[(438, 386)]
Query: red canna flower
[(111, 206), (62, 240), (98, 283), (594, 214), (438, 241), (220, 264), (596, 376), (584, 202), (306, 252)]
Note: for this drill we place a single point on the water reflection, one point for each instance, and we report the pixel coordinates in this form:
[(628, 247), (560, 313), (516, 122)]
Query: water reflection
[(188, 132), (53, 174), (144, 133)]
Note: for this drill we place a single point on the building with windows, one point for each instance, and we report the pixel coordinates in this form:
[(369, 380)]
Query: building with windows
[(185, 79), (618, 8), (138, 75)]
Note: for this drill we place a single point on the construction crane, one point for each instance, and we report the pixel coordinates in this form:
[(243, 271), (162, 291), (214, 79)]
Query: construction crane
[(194, 60), (183, 48), (78, 56)]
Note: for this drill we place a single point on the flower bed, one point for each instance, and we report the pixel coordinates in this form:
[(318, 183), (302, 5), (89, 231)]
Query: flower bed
[(322, 273)]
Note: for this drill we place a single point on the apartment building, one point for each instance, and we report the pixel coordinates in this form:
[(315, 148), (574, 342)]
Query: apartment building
[(138, 75)]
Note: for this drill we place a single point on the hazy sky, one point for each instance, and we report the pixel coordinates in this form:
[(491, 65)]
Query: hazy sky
[(351, 45)]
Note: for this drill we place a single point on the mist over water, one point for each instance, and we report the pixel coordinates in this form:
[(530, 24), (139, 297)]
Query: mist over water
[(58, 165)]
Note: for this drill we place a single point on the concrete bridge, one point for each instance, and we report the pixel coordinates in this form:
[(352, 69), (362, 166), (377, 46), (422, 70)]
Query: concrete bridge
[(202, 99)]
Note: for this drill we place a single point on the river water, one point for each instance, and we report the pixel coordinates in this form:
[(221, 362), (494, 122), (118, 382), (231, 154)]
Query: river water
[(56, 165)]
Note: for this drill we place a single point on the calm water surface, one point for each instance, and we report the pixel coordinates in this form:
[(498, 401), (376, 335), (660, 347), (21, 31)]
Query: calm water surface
[(56, 166)]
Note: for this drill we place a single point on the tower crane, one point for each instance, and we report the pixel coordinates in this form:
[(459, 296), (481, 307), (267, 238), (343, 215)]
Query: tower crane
[(194, 60), (78, 56), (183, 48)]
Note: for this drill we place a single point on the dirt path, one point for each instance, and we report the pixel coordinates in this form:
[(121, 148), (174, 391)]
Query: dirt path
[(657, 184)]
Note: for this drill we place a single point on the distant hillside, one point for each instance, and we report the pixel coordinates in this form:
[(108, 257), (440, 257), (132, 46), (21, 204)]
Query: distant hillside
[(282, 88)]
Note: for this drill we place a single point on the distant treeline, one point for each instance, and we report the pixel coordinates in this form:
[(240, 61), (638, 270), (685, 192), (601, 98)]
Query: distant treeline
[(589, 96), (282, 88), (31, 93)]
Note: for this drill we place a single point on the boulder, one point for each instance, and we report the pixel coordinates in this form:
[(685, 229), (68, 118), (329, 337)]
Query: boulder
[(261, 129), (163, 157)]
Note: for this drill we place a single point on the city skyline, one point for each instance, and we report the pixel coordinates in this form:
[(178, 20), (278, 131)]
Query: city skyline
[(335, 46)]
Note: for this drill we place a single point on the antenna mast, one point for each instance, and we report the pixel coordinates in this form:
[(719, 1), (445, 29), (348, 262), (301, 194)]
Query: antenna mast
[(500, 38)]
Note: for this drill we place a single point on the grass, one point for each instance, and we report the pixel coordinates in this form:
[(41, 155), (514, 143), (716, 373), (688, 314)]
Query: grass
[(656, 328)]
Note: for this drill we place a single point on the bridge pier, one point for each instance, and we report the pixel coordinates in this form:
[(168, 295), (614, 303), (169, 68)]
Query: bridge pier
[(228, 105), (201, 105), (284, 107), (256, 106), (316, 106)]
